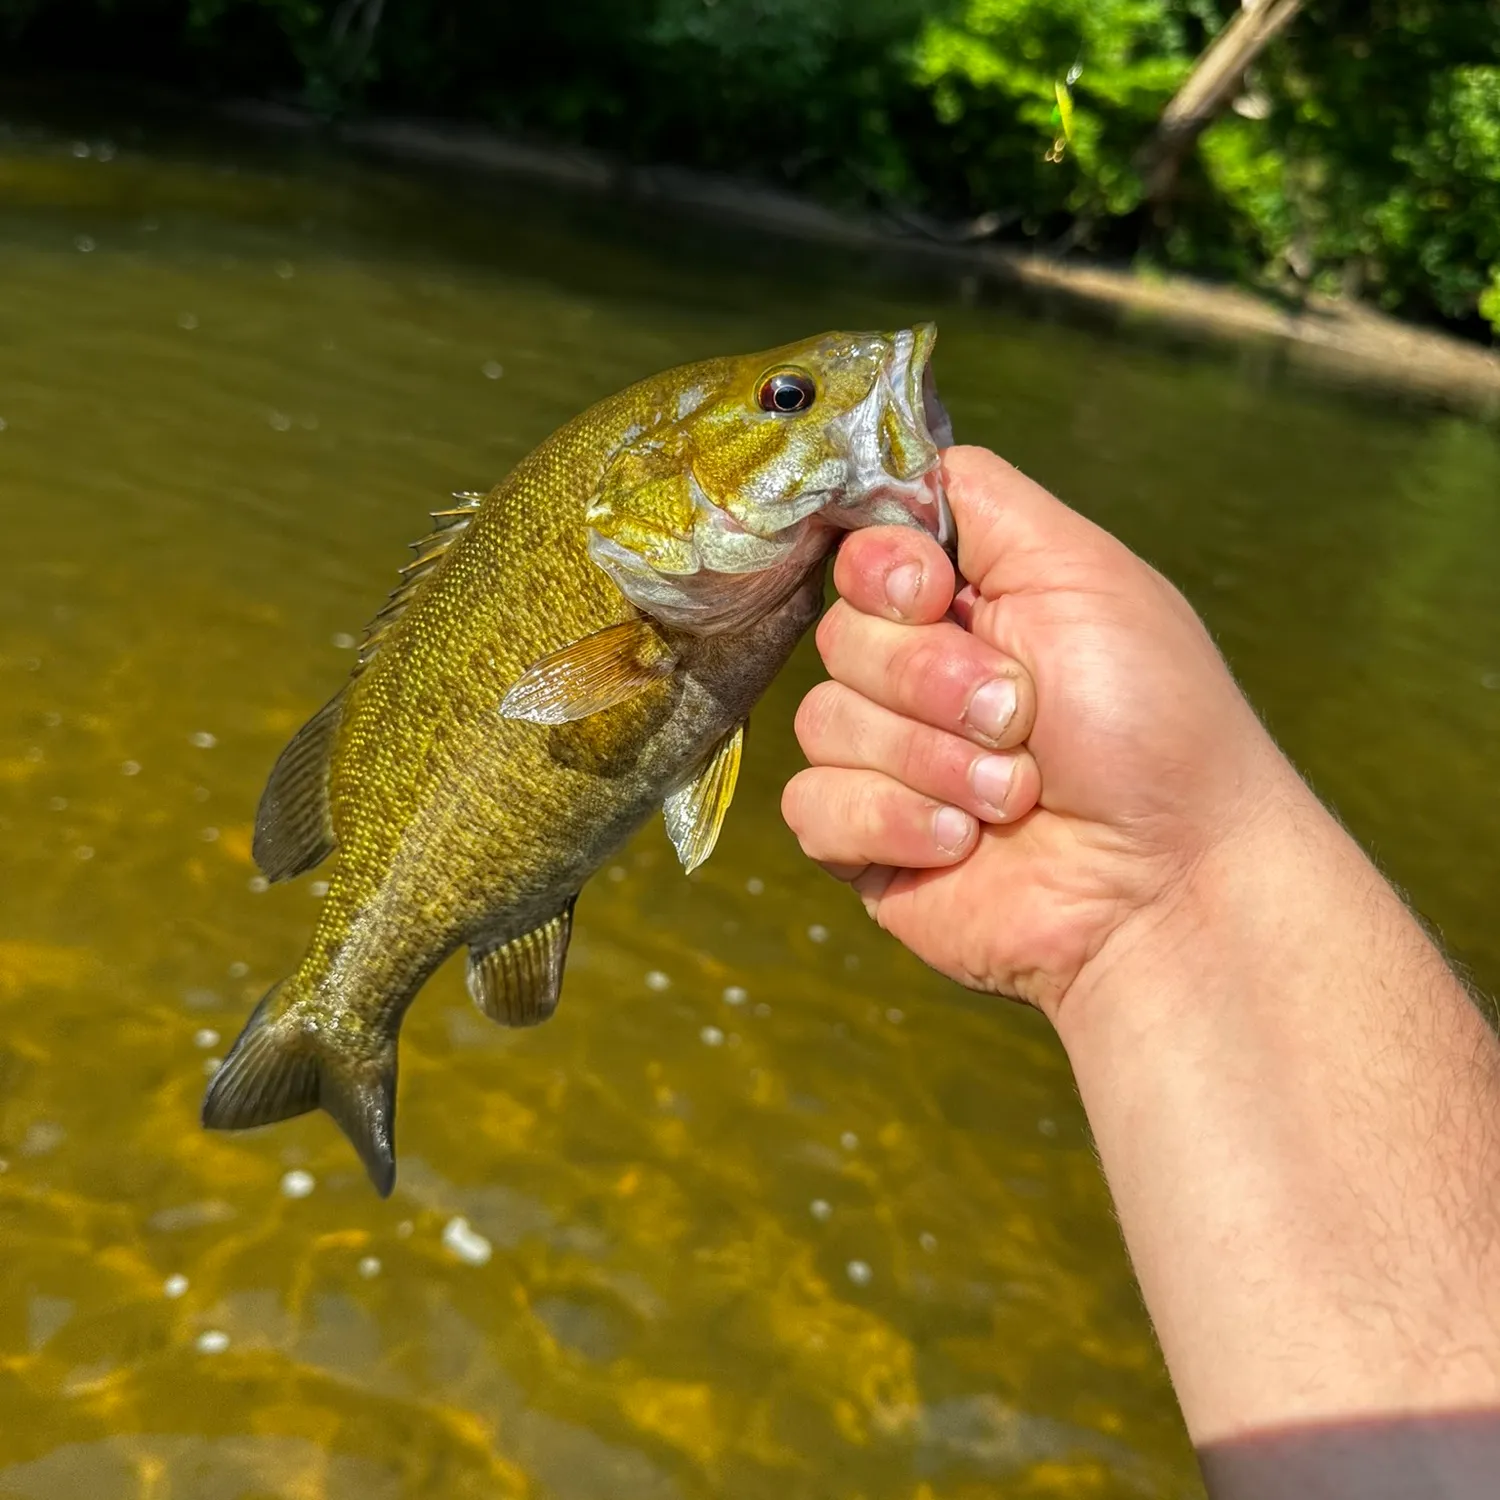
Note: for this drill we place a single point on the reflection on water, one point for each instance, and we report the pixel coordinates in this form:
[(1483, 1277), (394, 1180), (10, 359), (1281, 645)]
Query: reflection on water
[(768, 1210)]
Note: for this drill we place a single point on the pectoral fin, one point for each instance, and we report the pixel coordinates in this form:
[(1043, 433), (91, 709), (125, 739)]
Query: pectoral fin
[(694, 813), (592, 674), (517, 983)]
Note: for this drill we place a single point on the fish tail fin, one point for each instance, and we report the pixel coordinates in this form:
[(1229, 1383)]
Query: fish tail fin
[(278, 1068)]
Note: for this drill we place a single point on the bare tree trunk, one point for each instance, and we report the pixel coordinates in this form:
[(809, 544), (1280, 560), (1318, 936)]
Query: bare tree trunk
[(1215, 79)]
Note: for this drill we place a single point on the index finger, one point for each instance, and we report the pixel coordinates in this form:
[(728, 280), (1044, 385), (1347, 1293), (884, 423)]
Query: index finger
[(896, 573)]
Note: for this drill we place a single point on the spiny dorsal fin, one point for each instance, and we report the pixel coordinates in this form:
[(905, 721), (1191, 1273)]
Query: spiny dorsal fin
[(595, 673), (694, 813), (517, 983), (293, 825), (448, 526)]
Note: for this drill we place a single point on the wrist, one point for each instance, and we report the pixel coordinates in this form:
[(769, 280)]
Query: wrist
[(1257, 893)]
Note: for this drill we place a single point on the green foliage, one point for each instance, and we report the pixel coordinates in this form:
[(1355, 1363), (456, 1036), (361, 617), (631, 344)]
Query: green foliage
[(1366, 155), (1378, 166), (991, 71)]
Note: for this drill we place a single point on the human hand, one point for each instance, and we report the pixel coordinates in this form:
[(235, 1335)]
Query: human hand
[(1016, 778)]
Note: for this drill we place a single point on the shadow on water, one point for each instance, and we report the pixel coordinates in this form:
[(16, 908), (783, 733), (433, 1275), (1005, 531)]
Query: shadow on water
[(768, 1209)]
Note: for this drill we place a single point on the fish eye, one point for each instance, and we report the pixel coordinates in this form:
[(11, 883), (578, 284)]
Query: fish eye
[(787, 391)]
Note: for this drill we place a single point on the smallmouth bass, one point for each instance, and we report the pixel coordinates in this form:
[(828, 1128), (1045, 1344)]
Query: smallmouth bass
[(567, 653)]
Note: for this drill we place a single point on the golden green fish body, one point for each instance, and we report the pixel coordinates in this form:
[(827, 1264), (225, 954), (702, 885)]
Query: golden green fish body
[(568, 654)]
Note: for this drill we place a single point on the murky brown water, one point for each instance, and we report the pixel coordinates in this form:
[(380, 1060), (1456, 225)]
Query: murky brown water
[(770, 1210)]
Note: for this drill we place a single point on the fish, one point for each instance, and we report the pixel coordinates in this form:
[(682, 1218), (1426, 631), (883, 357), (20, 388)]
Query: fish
[(565, 654)]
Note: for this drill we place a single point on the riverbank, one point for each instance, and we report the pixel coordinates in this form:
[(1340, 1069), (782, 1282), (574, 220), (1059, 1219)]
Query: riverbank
[(1345, 341)]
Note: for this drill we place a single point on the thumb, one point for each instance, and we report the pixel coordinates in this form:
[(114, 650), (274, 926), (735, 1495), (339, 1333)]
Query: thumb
[(1013, 536)]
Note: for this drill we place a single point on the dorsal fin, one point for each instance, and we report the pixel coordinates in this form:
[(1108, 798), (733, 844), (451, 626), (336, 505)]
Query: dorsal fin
[(448, 526), (293, 824)]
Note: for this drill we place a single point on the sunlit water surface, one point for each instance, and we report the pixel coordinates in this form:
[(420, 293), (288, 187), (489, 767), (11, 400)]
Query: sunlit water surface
[(768, 1209)]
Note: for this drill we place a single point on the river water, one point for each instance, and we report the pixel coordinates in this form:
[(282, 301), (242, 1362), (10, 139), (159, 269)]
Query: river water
[(768, 1210)]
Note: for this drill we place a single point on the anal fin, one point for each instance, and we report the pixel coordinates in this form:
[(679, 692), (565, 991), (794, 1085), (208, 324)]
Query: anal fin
[(293, 825), (517, 983), (694, 813), (595, 673)]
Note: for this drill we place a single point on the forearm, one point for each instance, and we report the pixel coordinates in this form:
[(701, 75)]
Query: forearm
[(1298, 1112)]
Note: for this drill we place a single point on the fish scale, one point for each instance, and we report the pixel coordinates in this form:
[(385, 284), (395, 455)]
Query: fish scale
[(556, 664)]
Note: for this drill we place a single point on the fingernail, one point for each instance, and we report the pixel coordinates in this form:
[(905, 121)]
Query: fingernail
[(901, 585), (992, 707), (952, 828), (991, 776)]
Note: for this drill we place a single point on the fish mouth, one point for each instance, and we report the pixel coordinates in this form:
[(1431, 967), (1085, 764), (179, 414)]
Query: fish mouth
[(890, 441)]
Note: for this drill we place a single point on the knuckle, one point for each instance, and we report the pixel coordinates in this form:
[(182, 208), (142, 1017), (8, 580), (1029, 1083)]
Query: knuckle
[(831, 629), (794, 803), (816, 717), (931, 671)]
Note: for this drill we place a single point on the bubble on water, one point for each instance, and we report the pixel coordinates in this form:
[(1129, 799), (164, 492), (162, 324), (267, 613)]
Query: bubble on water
[(201, 794), (344, 641), (57, 804), (34, 754), (369, 1267), (187, 321), (308, 423), (735, 995), (175, 1285), (130, 768), (493, 369), (105, 151), (41, 1137), (859, 1272), (285, 269), (52, 720), (279, 420), (81, 149), (211, 1065), (755, 885), (206, 1037), (404, 1229), (1490, 680), (818, 933), (851, 960), (466, 1243), (238, 969), (84, 243), (821, 1209), (297, 1183), (711, 1036), (895, 1015), (31, 664), (927, 1241), (2, 424), (200, 999), (761, 1009), (84, 851), (849, 1141), (212, 1341), (656, 980), (208, 835), (617, 873), (259, 884), (318, 889), (1048, 1127), (201, 739)]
